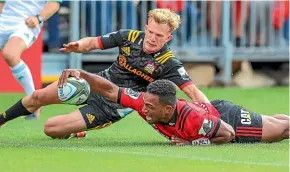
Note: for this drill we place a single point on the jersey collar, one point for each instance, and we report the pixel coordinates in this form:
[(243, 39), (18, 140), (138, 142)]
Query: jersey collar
[(173, 119)]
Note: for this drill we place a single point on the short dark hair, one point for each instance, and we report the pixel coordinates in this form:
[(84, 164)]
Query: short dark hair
[(165, 90)]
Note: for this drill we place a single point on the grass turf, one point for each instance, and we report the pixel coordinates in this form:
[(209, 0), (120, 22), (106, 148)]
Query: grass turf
[(132, 145)]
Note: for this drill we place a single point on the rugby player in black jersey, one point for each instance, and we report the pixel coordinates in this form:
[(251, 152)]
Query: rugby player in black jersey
[(143, 57)]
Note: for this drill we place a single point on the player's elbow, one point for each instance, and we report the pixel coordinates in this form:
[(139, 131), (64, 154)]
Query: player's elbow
[(224, 135), (54, 6), (228, 136)]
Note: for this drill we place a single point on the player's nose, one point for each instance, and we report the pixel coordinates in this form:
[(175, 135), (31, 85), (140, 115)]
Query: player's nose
[(144, 110)]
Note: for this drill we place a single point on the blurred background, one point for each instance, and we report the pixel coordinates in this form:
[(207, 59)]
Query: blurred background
[(242, 43)]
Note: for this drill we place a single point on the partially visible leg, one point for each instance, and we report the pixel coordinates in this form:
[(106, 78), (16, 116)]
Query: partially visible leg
[(63, 125), (274, 129), (12, 54), (281, 117), (19, 41), (42, 97), (31, 103)]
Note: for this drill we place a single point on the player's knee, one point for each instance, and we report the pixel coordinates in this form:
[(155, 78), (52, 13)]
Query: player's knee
[(10, 58), (285, 134), (50, 129), (38, 98)]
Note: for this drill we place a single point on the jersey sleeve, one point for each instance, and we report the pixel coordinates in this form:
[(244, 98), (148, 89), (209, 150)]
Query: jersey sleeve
[(202, 126), (113, 39), (175, 72), (130, 98), (59, 1)]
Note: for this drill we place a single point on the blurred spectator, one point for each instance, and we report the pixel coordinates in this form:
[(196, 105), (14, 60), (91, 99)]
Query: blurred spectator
[(214, 19), (140, 10), (182, 8), (108, 16), (240, 10), (280, 17)]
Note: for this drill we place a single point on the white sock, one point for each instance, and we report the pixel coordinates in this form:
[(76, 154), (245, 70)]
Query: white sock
[(23, 75)]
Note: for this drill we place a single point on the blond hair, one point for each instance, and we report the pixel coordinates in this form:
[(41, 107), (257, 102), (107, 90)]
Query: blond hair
[(165, 16)]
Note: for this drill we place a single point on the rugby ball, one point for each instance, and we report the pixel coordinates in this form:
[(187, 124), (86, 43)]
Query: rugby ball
[(74, 92)]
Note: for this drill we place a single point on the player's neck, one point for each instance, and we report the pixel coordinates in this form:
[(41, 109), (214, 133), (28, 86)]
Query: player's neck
[(168, 117)]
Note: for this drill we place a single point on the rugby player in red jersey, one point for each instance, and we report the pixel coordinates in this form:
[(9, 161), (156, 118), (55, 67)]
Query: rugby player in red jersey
[(194, 122)]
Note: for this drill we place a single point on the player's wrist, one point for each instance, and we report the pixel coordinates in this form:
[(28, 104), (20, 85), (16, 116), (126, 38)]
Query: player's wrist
[(39, 18)]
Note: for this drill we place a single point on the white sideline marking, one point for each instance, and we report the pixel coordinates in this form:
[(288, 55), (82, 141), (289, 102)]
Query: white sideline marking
[(167, 156)]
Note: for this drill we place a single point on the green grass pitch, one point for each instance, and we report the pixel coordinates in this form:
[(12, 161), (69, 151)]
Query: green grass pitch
[(132, 145)]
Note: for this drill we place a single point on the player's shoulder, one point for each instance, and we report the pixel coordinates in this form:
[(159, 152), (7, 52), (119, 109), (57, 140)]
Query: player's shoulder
[(131, 34), (167, 56)]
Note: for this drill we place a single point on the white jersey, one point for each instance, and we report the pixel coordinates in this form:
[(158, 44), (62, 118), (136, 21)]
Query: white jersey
[(15, 12), (12, 20)]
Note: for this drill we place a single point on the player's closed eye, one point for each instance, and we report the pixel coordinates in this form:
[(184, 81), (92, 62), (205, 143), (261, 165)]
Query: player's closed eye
[(148, 106)]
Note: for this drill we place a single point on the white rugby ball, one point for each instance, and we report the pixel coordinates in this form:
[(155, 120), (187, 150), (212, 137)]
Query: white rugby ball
[(75, 92)]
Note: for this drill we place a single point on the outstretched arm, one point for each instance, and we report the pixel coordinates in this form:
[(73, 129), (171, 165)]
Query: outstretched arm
[(101, 85), (97, 83), (195, 94), (83, 45), (88, 44)]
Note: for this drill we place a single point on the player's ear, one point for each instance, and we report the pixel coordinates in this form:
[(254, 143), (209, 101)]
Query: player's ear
[(169, 38), (168, 108), (145, 27)]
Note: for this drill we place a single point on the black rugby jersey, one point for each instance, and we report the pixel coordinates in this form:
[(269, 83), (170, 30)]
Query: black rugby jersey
[(134, 68)]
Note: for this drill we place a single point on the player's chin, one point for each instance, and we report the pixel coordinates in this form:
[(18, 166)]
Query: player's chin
[(149, 120), (151, 48)]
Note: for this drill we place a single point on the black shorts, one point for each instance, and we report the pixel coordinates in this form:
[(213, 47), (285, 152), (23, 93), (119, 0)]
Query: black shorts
[(246, 124), (100, 112)]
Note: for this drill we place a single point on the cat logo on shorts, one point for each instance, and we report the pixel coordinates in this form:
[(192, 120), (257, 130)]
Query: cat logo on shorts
[(245, 117)]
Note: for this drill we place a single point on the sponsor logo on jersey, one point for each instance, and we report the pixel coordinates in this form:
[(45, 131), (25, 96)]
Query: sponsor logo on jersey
[(150, 67), (182, 72), (201, 141), (133, 94), (206, 127), (157, 54), (245, 117), (123, 63)]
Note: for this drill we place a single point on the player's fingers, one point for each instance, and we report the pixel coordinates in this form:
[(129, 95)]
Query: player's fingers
[(77, 75), (62, 79), (72, 44), (67, 74), (63, 50), (65, 45), (59, 81)]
